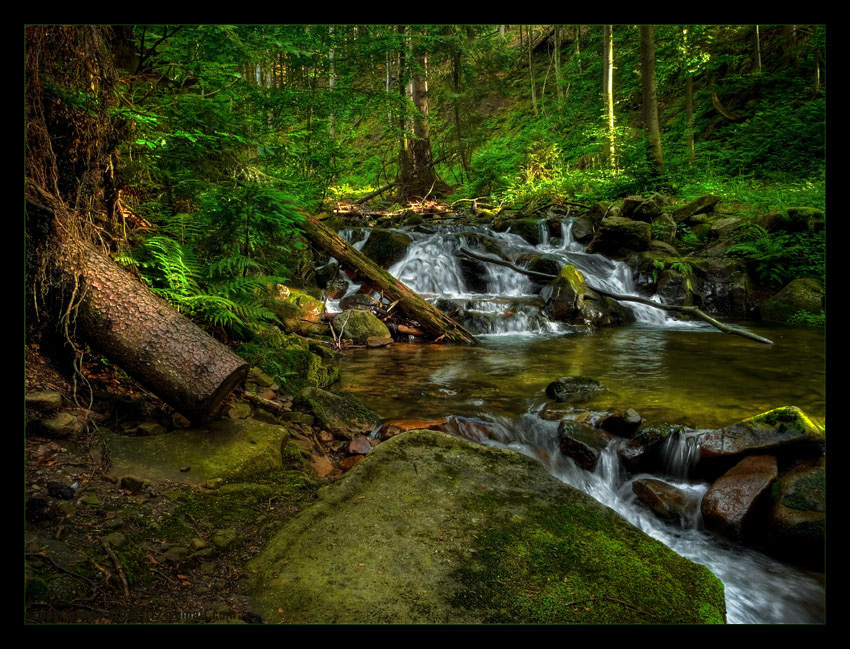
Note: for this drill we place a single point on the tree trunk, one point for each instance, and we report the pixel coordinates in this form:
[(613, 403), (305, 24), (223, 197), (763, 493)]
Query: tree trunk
[(139, 332), (608, 92), (428, 316), (421, 147), (689, 113), (558, 90), (650, 100), (531, 71)]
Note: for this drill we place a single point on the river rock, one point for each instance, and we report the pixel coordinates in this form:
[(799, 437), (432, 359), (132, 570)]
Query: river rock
[(571, 300), (529, 229), (623, 423), (801, 219), (433, 529), (668, 502), (582, 443), (297, 311), (733, 500), (338, 412), (804, 294), (642, 451), (617, 236), (62, 425), (358, 446), (701, 205), (648, 210), (392, 427), (630, 204), (722, 228), (725, 286), (583, 229), (386, 247), (797, 520), (663, 229), (477, 430), (573, 389), (359, 326), (767, 432)]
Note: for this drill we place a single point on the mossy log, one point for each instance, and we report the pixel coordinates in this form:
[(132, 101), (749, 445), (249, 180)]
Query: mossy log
[(162, 349), (427, 315)]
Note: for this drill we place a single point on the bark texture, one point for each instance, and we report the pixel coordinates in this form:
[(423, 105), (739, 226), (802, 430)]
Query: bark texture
[(162, 349)]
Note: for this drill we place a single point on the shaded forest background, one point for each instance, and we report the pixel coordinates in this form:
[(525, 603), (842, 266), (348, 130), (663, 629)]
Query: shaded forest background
[(187, 151)]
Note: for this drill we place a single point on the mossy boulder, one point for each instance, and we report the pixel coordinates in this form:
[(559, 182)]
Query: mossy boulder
[(642, 452), (358, 325), (802, 219), (225, 448), (797, 522), (617, 236), (583, 229), (804, 294), (340, 413), (386, 247), (433, 529), (766, 432), (532, 230), (570, 300), (700, 205), (297, 311)]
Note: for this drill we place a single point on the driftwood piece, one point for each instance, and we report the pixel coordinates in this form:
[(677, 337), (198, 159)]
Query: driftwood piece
[(142, 334), (687, 310), (427, 315)]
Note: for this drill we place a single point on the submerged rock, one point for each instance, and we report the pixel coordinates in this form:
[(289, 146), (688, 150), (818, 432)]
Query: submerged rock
[(668, 502), (573, 389), (582, 443), (432, 529)]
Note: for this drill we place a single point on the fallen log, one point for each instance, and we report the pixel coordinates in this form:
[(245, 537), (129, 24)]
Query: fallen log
[(161, 348), (687, 310), (427, 315)]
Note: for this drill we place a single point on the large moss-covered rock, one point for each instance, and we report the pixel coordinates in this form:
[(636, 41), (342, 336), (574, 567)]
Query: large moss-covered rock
[(532, 230), (617, 236), (340, 413), (800, 219), (570, 300), (357, 326), (386, 247), (698, 206), (798, 295), (225, 448), (766, 432), (432, 529)]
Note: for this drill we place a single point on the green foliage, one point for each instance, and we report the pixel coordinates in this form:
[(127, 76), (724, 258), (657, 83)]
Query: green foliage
[(808, 319), (780, 257)]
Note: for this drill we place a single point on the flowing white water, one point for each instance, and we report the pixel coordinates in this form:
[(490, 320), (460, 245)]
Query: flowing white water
[(759, 589)]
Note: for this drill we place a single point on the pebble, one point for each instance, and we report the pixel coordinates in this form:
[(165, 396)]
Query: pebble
[(58, 490), (184, 469)]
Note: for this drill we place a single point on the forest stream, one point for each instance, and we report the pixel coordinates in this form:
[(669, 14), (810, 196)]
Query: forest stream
[(668, 370)]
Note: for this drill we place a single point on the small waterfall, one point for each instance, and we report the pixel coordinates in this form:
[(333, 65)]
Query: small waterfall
[(680, 452)]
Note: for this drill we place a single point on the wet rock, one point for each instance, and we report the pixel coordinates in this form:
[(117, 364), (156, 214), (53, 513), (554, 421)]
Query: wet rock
[(622, 423), (617, 236), (386, 247), (582, 443), (797, 521), (571, 300), (239, 411), (338, 412), (641, 451), (583, 229), (528, 229), (43, 400), (798, 295), (359, 326), (358, 446), (668, 502), (573, 389), (393, 427), (296, 310), (701, 205), (431, 528), (477, 430), (321, 465), (767, 432), (733, 500), (357, 302), (148, 428), (376, 341)]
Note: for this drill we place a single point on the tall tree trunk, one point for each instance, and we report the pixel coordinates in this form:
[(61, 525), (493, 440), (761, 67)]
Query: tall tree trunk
[(421, 148), (531, 70), (456, 106), (758, 50), (608, 93), (578, 47), (558, 90), (405, 161), (689, 114), (650, 100), (331, 81)]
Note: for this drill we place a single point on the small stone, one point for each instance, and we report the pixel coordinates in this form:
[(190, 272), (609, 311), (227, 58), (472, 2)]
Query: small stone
[(180, 421), (62, 425), (223, 539), (239, 411), (207, 568), (348, 463), (150, 428), (44, 400), (359, 446), (66, 508), (325, 436), (321, 465), (378, 341), (260, 378), (214, 483), (198, 544), (133, 484), (176, 553), (185, 469), (115, 539), (58, 490), (90, 499)]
